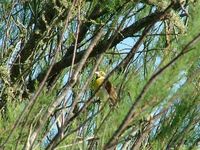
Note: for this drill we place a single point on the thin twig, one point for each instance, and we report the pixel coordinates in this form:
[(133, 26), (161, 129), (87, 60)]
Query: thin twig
[(131, 112)]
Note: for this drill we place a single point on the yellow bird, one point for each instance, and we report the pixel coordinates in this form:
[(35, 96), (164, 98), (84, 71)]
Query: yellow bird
[(107, 87)]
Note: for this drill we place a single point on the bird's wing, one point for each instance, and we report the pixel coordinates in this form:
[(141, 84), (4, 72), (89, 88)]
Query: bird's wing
[(112, 92)]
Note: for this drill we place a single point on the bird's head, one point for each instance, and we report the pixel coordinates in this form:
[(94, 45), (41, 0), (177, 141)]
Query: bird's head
[(100, 74)]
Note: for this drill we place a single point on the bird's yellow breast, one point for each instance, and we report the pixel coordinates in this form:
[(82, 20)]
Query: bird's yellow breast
[(102, 93), (98, 82)]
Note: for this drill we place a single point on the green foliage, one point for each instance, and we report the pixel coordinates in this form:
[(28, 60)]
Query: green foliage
[(15, 109), (160, 99)]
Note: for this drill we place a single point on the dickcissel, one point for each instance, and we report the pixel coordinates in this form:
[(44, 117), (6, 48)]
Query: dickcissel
[(107, 88)]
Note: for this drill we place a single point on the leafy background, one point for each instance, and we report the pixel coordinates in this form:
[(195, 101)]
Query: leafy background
[(50, 50)]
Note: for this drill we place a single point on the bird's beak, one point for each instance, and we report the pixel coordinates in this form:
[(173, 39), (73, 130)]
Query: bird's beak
[(97, 72)]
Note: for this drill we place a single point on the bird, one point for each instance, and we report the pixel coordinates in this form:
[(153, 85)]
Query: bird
[(107, 88)]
